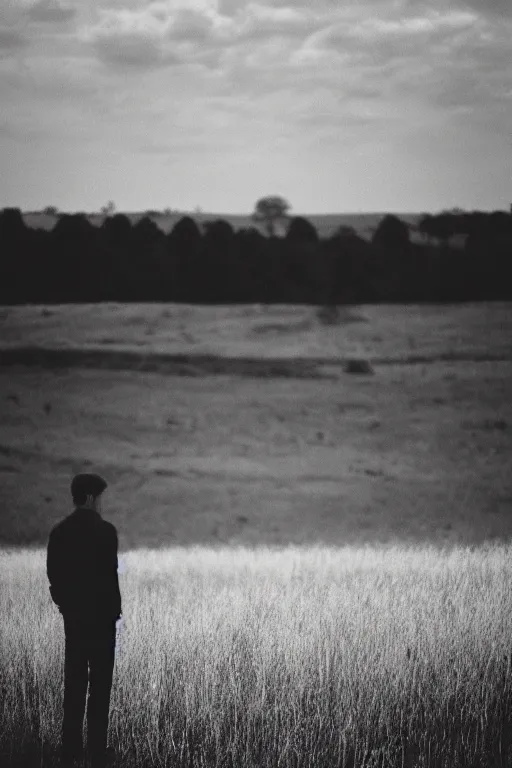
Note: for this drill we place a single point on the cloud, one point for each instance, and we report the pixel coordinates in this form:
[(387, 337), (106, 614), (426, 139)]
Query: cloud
[(23, 132), (50, 11), (256, 71), (191, 33), (256, 21), (486, 7), (157, 35), (133, 49), (393, 33), (189, 25), (195, 141), (478, 82), (11, 40), (135, 39)]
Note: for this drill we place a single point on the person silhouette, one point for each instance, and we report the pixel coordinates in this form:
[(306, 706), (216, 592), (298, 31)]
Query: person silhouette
[(81, 566)]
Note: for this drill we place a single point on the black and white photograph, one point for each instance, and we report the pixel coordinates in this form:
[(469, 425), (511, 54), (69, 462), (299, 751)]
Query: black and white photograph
[(256, 384)]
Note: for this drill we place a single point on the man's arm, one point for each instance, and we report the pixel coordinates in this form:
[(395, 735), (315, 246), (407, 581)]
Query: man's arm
[(54, 568), (115, 564)]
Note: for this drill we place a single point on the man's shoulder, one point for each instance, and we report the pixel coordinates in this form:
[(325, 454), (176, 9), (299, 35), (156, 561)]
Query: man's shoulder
[(110, 527), (59, 527), (70, 522)]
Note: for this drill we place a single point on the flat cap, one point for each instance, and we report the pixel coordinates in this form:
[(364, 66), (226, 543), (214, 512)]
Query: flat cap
[(86, 484)]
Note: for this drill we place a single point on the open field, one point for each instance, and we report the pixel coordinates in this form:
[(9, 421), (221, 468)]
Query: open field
[(367, 657), (395, 654), (382, 333), (416, 452)]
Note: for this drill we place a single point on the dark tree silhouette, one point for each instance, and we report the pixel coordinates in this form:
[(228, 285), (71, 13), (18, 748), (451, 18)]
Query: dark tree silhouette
[(183, 245), (500, 224), (221, 267), (72, 229), (11, 223), (78, 275), (118, 261), (144, 262), (300, 230), (146, 231), (345, 232), (425, 227), (250, 235), (13, 255), (119, 282), (301, 267), (117, 229), (185, 233), (270, 211), (219, 231), (252, 252), (443, 227), (391, 232), (350, 267), (391, 258)]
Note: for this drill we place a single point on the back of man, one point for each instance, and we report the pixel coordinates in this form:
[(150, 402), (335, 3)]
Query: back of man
[(82, 566), (82, 571)]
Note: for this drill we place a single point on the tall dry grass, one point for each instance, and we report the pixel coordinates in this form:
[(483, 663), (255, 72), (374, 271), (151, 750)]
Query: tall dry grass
[(293, 657)]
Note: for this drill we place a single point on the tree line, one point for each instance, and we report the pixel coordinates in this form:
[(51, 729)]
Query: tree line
[(122, 261)]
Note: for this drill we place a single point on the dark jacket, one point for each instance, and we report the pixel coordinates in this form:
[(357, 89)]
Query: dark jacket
[(81, 565)]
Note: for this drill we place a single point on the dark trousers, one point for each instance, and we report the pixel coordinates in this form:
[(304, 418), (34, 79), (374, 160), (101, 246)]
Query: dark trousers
[(90, 652)]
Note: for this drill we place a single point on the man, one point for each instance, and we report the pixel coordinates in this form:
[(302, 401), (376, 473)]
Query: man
[(82, 570)]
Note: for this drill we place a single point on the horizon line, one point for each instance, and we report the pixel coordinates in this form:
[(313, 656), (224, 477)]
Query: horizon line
[(195, 212)]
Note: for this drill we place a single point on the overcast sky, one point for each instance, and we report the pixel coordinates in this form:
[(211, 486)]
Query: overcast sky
[(338, 105)]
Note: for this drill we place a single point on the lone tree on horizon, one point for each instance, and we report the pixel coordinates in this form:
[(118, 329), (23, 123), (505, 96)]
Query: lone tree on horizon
[(269, 211)]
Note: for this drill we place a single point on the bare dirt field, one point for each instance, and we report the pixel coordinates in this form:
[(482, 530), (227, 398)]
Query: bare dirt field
[(419, 451)]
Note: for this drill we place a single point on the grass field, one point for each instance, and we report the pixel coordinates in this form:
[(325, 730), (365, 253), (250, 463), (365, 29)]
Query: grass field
[(314, 656), (380, 333)]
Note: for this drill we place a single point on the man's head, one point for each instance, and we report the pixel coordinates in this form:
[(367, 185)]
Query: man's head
[(86, 489)]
